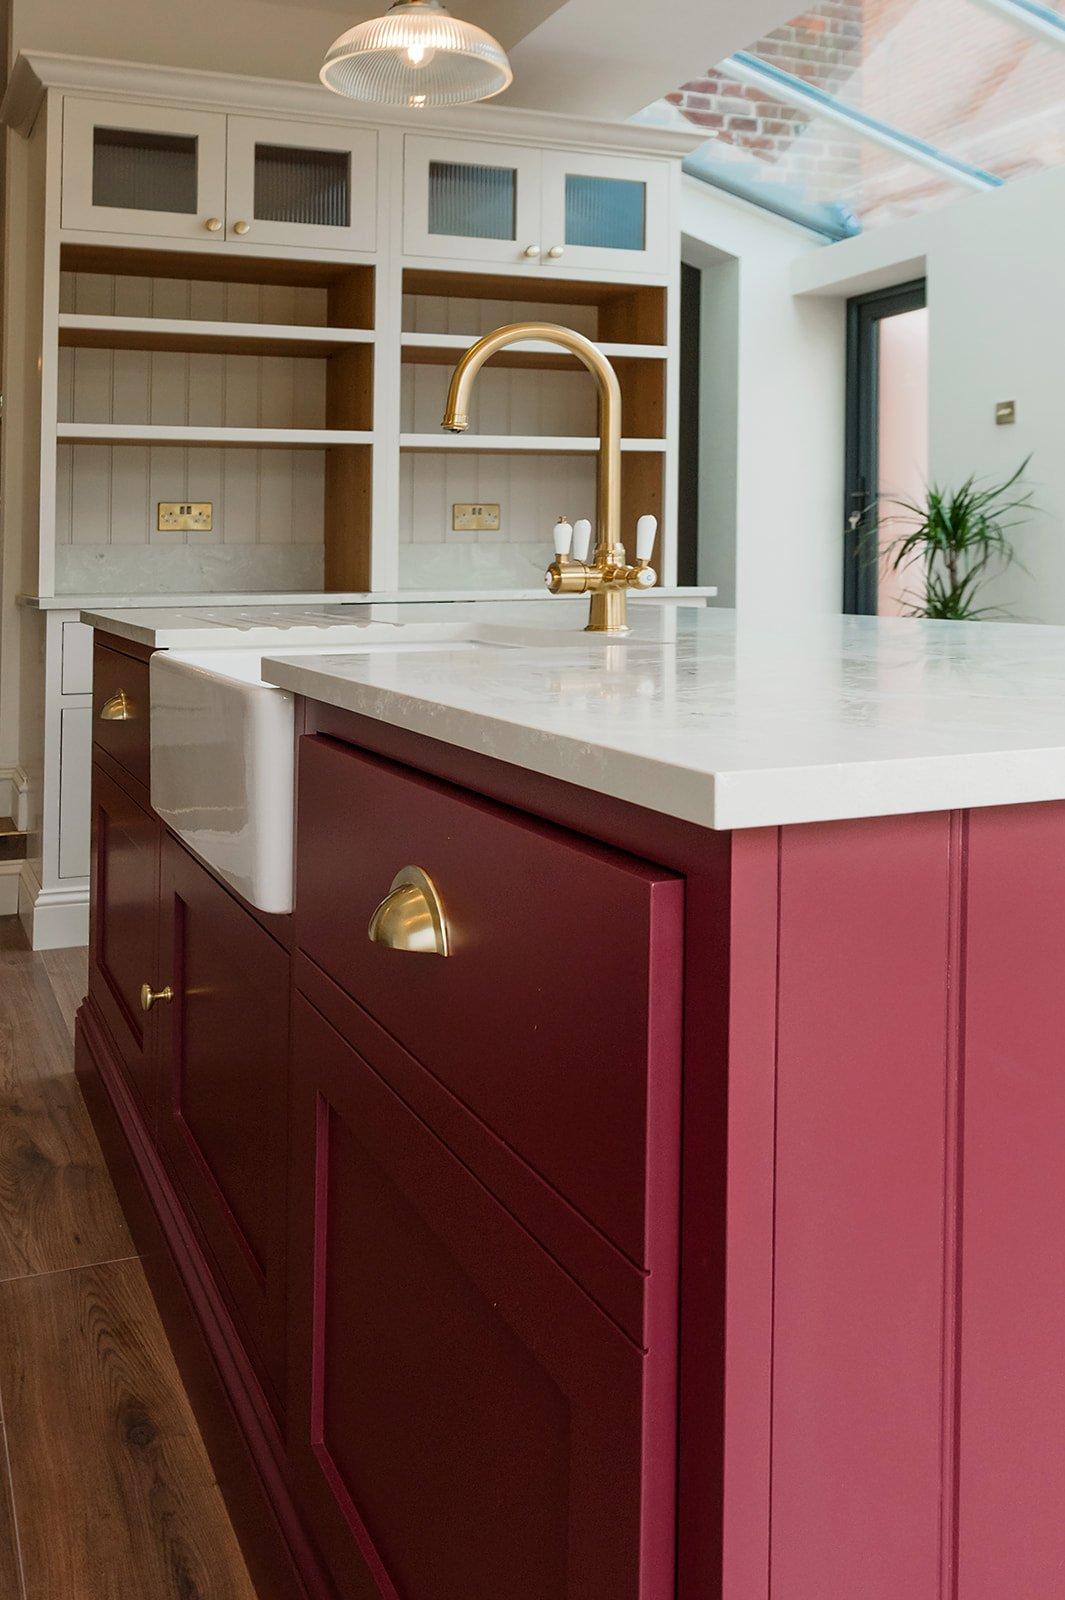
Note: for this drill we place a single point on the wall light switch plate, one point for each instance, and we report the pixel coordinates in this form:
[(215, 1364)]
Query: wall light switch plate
[(1006, 413), (474, 518), (176, 516)]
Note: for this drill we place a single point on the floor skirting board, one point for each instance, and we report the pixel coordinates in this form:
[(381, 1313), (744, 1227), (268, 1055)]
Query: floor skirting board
[(54, 919)]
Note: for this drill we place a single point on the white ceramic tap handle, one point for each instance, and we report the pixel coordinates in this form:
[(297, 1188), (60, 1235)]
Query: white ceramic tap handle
[(563, 537), (582, 539), (646, 533)]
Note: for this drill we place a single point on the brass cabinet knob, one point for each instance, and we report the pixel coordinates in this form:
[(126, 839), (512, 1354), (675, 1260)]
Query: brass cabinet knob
[(411, 916), (213, 224), (555, 251), (532, 251), (242, 228), (149, 995), (118, 709)]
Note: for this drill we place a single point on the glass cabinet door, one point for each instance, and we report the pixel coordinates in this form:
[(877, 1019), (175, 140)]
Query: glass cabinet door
[(470, 200), (605, 211), (143, 169), (302, 184)]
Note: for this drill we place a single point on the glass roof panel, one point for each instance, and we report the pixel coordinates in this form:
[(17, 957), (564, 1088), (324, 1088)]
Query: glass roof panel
[(958, 76)]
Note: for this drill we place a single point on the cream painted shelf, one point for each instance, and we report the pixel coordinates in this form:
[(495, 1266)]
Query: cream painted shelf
[(183, 335), (251, 438), (444, 349), (526, 444)]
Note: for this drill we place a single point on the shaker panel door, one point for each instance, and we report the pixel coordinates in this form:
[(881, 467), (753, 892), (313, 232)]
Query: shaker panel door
[(609, 213), (471, 201), (223, 1092), (464, 1421), (302, 184), (143, 169)]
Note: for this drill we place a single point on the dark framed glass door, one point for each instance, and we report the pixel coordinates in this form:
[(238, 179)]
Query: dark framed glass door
[(886, 434)]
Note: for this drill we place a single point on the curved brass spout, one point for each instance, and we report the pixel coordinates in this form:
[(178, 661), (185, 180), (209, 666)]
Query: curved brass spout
[(608, 547)]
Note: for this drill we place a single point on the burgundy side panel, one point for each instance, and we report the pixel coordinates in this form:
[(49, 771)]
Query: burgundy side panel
[(546, 1019), (865, 925), (224, 1100), (1012, 1325), (463, 1419), (123, 941)]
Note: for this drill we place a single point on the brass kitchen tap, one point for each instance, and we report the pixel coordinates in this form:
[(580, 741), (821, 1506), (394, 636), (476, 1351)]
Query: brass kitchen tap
[(608, 577)]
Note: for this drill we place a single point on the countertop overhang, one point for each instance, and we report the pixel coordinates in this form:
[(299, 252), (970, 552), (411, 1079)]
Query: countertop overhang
[(734, 724)]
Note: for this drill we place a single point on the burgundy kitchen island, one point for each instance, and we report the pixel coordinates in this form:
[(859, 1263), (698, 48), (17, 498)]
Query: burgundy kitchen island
[(696, 1226)]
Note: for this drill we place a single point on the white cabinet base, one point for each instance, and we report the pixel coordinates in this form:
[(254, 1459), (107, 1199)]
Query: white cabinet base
[(53, 919)]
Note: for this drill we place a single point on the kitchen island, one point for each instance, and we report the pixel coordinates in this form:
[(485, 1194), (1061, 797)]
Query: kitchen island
[(659, 1192)]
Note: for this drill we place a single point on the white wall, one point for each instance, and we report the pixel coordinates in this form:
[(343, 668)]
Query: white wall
[(771, 415), (995, 265)]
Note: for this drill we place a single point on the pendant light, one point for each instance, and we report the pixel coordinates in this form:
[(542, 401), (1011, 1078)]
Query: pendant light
[(416, 55)]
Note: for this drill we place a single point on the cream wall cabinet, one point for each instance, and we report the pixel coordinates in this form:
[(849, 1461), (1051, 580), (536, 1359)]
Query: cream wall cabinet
[(168, 173), (511, 204)]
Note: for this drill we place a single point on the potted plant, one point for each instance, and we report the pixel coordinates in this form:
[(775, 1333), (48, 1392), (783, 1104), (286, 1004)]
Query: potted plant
[(957, 540)]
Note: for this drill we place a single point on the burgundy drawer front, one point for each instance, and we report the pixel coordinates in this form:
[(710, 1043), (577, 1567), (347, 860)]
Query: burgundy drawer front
[(223, 1104), (463, 1420), (556, 1018), (127, 740)]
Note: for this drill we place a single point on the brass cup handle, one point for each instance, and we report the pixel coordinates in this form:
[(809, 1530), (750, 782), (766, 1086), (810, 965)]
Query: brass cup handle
[(411, 916), (149, 995), (118, 709)]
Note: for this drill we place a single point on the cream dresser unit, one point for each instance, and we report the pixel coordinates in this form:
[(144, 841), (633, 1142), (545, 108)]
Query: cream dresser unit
[(248, 295)]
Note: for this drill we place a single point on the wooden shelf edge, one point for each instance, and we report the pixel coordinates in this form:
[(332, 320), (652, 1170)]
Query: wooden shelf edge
[(247, 438), (441, 349), (182, 335), (524, 444)]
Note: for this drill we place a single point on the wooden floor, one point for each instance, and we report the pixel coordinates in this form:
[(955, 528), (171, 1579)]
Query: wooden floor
[(106, 1492)]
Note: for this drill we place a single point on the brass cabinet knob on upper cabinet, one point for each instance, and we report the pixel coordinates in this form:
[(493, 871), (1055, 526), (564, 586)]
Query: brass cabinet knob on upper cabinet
[(242, 228), (149, 995), (531, 251), (118, 709), (213, 224), (411, 916), (555, 251)]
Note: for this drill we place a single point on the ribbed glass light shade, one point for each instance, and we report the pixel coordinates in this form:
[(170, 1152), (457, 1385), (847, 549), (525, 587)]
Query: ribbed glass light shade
[(416, 55)]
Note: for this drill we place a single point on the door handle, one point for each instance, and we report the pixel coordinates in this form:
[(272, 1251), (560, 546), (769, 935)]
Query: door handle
[(411, 916), (118, 709)]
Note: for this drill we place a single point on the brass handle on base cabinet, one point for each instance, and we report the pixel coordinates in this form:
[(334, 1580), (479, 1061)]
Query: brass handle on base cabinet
[(149, 995), (411, 916), (118, 709)]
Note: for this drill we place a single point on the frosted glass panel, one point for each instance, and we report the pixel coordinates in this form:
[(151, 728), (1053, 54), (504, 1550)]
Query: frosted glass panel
[(297, 185), (144, 171), (605, 212), (470, 202)]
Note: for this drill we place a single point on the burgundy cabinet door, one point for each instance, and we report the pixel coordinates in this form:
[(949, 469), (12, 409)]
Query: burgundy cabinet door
[(223, 1096), (1011, 1211), (123, 932), (556, 1017), (464, 1422)]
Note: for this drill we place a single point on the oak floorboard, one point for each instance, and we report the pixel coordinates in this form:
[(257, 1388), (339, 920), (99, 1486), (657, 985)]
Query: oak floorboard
[(10, 1565), (113, 1489), (68, 974), (58, 1208)]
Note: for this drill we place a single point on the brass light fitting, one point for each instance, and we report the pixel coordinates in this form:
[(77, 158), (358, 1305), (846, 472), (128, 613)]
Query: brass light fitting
[(608, 577)]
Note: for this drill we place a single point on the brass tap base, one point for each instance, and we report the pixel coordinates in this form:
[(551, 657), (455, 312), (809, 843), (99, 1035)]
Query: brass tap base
[(607, 612)]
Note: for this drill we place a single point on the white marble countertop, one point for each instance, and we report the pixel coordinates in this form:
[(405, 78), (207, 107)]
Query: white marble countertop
[(733, 724), (199, 624)]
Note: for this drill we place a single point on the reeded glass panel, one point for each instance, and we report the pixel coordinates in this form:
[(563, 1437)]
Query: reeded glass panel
[(470, 202), (144, 171), (307, 186), (608, 212)]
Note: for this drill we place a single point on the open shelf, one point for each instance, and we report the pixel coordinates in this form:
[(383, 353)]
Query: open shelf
[(244, 438), (184, 336), (626, 313), (523, 444)]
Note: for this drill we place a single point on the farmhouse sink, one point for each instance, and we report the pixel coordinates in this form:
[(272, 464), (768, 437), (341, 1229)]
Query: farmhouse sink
[(223, 759)]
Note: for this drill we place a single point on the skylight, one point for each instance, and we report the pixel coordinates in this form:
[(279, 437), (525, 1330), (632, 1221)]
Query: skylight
[(858, 112)]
